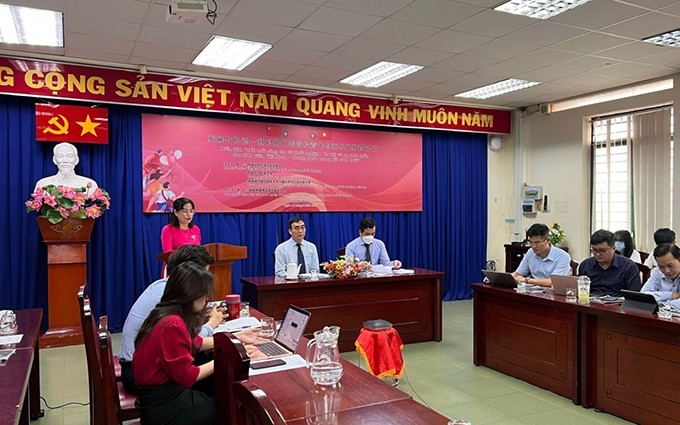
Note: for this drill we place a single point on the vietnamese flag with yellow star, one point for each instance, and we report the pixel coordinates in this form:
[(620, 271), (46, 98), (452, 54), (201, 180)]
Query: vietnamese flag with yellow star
[(69, 123)]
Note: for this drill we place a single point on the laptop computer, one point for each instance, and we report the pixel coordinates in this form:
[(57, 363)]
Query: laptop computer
[(500, 278), (289, 334), (560, 283)]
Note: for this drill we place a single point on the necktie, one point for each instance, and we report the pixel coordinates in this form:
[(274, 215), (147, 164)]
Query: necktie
[(368, 252), (301, 260)]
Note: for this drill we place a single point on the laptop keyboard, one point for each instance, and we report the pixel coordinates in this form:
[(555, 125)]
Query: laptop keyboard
[(272, 349)]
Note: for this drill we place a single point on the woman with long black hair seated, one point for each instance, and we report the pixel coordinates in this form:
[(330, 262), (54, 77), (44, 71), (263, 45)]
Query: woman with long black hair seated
[(163, 364), (625, 246)]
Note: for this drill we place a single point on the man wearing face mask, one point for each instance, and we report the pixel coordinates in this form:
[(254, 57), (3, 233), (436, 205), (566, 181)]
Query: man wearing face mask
[(296, 250), (367, 248)]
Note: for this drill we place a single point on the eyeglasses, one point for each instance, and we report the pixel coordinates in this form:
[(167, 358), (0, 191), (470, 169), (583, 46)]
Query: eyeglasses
[(190, 212), (537, 243), (600, 251)]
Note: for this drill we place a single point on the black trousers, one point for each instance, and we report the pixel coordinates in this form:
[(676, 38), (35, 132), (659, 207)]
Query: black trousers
[(172, 404), (128, 378)]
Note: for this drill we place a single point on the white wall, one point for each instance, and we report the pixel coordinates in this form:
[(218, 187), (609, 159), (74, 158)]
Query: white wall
[(554, 151)]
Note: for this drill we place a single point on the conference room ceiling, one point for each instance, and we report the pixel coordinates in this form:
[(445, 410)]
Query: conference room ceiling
[(462, 44)]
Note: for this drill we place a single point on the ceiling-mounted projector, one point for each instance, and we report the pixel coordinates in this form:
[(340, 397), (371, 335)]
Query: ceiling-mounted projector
[(186, 11)]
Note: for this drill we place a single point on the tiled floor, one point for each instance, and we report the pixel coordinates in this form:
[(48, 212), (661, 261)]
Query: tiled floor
[(440, 374)]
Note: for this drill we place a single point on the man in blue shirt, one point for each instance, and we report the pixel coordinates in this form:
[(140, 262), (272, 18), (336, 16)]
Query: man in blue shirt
[(542, 259), (147, 301), (608, 272), (664, 283), (367, 248), (295, 249)]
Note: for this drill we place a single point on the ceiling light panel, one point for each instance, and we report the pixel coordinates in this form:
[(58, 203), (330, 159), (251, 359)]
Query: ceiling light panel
[(230, 53), (671, 39), (496, 89), (36, 27), (381, 73), (541, 9)]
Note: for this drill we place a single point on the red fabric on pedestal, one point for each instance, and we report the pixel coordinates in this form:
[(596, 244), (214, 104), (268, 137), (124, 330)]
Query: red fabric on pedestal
[(382, 352)]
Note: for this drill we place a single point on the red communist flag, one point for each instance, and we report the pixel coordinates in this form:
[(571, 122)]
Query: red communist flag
[(68, 123)]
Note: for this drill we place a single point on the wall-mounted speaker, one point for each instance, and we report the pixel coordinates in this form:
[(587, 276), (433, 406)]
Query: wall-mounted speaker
[(495, 143)]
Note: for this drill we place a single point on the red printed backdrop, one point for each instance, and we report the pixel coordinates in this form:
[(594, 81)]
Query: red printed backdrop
[(229, 166)]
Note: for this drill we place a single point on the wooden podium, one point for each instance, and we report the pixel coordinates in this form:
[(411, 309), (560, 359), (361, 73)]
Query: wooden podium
[(66, 272), (225, 255)]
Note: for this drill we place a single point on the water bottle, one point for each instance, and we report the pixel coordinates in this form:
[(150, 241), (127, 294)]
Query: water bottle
[(583, 289)]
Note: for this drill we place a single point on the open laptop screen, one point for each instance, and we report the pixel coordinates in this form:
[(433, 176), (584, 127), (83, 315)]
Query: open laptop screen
[(292, 327)]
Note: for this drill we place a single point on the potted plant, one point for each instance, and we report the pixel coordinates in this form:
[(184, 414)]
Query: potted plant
[(67, 211), (556, 234)]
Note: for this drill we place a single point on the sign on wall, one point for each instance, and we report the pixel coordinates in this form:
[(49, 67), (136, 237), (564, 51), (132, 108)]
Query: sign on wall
[(231, 166), (58, 80), (67, 123)]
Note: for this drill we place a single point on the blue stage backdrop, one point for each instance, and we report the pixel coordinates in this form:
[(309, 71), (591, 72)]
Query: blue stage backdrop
[(449, 235)]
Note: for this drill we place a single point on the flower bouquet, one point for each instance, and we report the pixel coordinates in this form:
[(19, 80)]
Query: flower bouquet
[(556, 234), (59, 202), (345, 268)]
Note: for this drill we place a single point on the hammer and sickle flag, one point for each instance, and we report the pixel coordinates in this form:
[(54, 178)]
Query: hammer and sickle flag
[(68, 123)]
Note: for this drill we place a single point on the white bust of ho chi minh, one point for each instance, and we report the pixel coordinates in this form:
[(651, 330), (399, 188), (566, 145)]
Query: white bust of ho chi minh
[(66, 158)]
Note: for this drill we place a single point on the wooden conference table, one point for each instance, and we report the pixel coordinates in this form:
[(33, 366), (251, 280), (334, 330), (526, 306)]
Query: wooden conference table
[(413, 303), (20, 375), (359, 398), (601, 356)]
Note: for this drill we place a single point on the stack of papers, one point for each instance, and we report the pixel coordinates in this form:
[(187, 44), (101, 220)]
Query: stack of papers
[(238, 324), (607, 299), (11, 339), (403, 271)]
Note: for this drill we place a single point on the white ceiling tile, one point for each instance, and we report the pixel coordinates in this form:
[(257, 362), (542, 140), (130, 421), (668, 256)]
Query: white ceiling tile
[(652, 4), (453, 41), (98, 55), (545, 74), (632, 50), (336, 21), (365, 48), (280, 68), (545, 33), (169, 37), (303, 39), (373, 7), (465, 63), (493, 24), (439, 13), (119, 10), (158, 63), (281, 12), (299, 55), (598, 14), (435, 75), (501, 49), (166, 53), (668, 56), (586, 63), (590, 43), (399, 32), (89, 42), (328, 74), (101, 27), (622, 69), (346, 63), (672, 10), (418, 56), (246, 29), (644, 26)]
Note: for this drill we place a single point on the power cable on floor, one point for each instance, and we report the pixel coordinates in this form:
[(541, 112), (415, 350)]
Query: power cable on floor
[(77, 403)]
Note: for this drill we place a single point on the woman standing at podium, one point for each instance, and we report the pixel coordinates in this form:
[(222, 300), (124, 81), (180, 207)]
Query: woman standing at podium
[(181, 229)]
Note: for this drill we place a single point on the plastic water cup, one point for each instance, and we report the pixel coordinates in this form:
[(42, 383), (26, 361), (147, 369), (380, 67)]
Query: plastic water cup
[(570, 295), (521, 287), (245, 309), (314, 275), (267, 328), (664, 312)]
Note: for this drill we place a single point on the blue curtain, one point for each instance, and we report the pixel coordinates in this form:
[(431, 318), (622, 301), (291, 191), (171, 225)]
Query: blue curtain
[(449, 235)]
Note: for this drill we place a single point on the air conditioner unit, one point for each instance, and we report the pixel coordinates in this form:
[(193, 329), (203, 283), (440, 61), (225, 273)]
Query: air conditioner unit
[(186, 11), (545, 108)]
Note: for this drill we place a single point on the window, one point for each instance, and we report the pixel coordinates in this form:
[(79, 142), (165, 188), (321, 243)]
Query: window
[(630, 175)]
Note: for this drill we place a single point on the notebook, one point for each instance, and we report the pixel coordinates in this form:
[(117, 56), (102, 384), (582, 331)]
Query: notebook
[(289, 334), (500, 278), (560, 283)]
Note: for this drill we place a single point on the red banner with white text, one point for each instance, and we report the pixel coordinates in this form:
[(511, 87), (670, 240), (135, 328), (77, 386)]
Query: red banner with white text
[(77, 82), (232, 166)]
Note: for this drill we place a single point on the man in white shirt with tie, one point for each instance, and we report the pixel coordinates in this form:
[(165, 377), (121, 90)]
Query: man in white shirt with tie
[(367, 248), (296, 250)]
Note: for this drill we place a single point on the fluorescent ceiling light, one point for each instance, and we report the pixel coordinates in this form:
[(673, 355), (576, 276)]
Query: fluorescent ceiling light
[(25, 25), (501, 87), (230, 53), (541, 9), (610, 95), (381, 74), (671, 39)]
